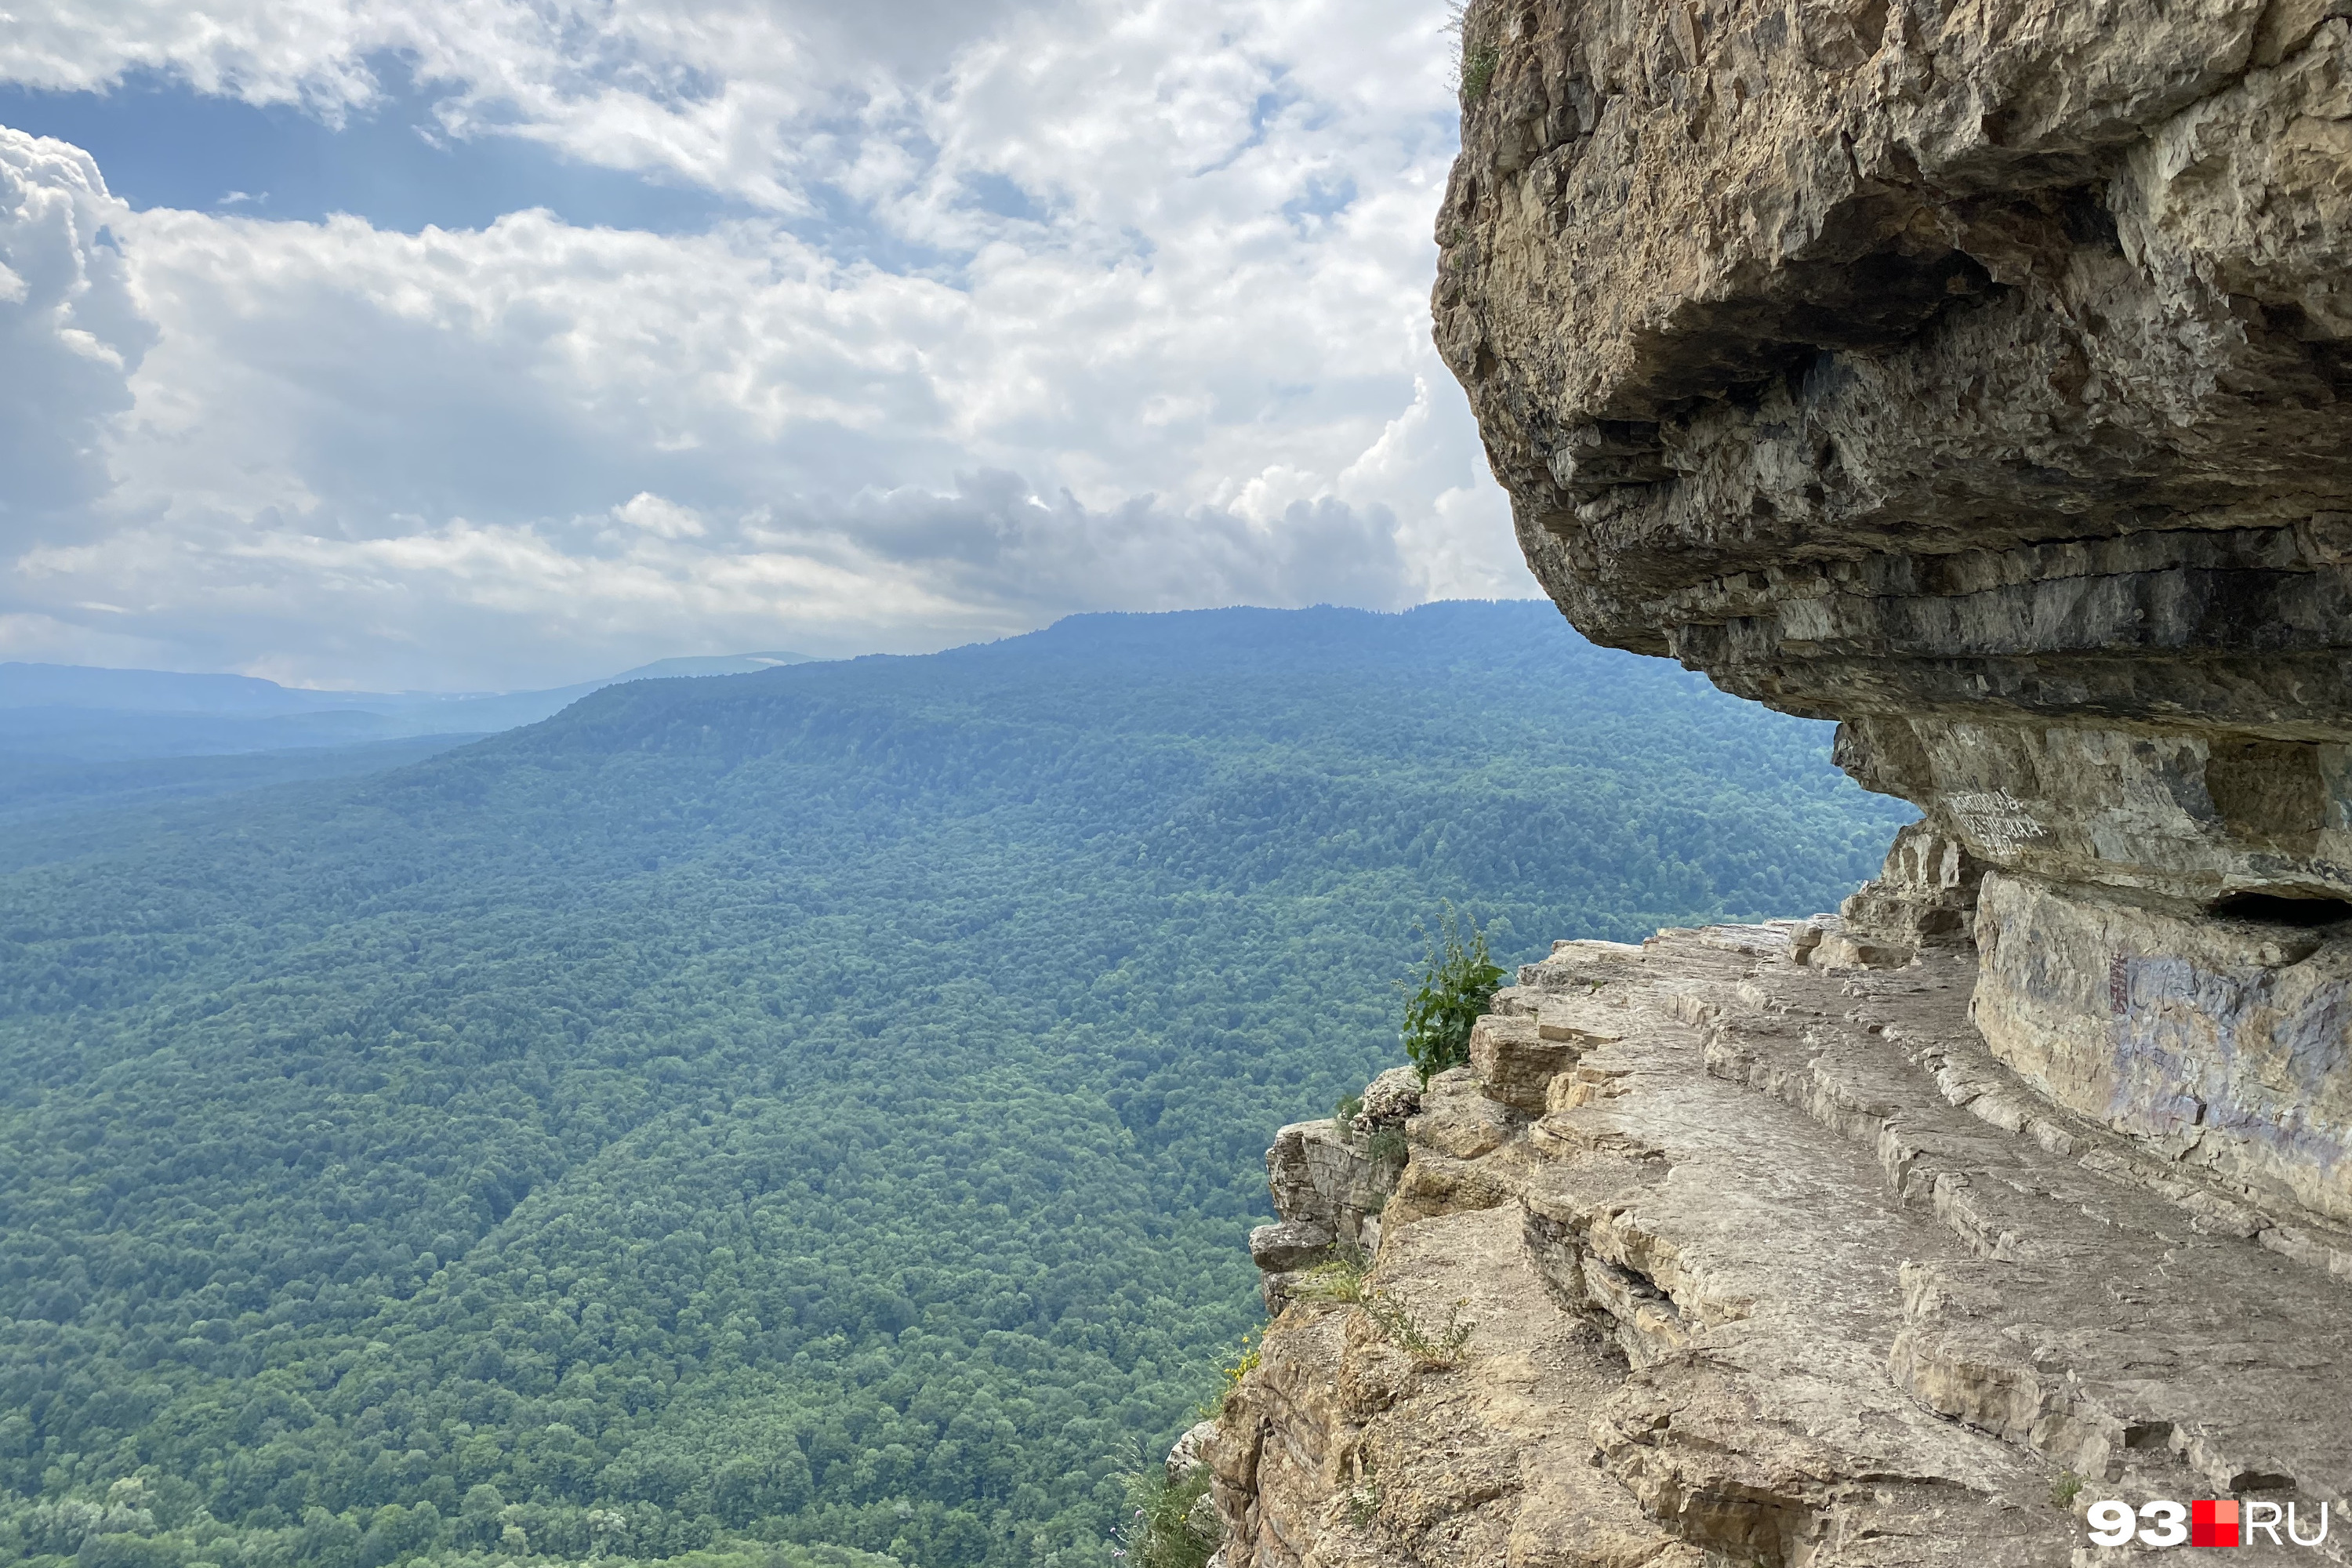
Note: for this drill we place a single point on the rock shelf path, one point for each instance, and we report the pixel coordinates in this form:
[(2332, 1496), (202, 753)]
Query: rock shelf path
[(1786, 1270)]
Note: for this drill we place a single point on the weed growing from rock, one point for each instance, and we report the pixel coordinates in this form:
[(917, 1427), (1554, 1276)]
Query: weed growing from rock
[(1475, 55), (1229, 1378), (1161, 1530), (1340, 1281), (1457, 983), (1394, 1322)]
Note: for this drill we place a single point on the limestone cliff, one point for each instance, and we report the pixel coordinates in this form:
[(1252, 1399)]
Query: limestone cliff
[(1979, 375)]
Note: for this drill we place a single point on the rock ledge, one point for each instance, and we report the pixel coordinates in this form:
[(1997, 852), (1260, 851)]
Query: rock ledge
[(1788, 1269)]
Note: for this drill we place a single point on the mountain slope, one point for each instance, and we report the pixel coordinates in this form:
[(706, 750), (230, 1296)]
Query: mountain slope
[(81, 712), (822, 1103), (75, 739)]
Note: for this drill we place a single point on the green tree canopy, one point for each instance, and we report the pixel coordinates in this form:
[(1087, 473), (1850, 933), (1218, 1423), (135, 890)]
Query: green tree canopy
[(819, 1107)]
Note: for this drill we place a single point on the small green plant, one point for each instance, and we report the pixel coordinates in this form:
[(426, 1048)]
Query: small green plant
[(1364, 1500), (1478, 63), (1388, 1146), (1475, 55), (1229, 1377), (2065, 1489), (1160, 1531), (1457, 982), (1395, 1323), (1344, 1114), (1340, 1281)]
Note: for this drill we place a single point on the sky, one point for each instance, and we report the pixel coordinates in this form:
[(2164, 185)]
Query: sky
[(470, 344)]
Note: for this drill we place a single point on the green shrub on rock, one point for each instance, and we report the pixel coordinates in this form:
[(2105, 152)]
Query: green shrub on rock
[(1457, 983)]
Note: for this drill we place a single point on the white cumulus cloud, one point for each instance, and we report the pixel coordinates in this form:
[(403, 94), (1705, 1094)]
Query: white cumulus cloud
[(70, 333), (1109, 306)]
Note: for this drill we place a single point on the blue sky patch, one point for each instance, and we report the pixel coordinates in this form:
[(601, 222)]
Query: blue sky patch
[(162, 144)]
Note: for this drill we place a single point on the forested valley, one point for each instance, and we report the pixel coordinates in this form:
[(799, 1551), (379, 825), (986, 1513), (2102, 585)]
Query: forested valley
[(801, 1118)]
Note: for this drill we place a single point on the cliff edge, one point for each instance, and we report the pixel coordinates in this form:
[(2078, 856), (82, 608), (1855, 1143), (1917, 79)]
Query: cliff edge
[(1979, 376)]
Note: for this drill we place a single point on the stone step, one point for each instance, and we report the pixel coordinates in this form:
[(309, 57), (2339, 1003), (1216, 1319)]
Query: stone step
[(1749, 1259)]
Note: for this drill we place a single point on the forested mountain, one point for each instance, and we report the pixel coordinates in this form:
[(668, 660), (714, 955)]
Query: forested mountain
[(94, 712), (820, 1107)]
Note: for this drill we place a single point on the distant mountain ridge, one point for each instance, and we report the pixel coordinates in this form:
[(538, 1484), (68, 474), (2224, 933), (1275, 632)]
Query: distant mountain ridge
[(78, 737), (92, 688)]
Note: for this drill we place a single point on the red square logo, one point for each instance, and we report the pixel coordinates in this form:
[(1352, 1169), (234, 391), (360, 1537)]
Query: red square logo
[(2212, 1524)]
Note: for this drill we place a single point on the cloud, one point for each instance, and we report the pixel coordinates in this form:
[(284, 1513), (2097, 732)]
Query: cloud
[(909, 569), (664, 520), (723, 93), (71, 331), (1118, 306)]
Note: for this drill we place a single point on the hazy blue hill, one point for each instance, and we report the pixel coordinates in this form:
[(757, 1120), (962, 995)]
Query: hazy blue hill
[(821, 1105), (61, 733), (75, 739), (92, 688), (76, 686), (108, 800), (81, 714)]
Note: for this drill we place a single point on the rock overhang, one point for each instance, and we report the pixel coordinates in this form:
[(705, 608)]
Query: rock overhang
[(1979, 376)]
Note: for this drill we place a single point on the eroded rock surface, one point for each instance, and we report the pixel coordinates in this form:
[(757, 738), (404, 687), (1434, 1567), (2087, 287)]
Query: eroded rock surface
[(1786, 1269), (1329, 1186), (1979, 375)]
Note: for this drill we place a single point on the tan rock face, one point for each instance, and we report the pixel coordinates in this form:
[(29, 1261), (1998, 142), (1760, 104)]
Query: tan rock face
[(1793, 1273), (1815, 336), (2221, 1041), (1979, 375), (1515, 1063), (1327, 1187), (1324, 1180)]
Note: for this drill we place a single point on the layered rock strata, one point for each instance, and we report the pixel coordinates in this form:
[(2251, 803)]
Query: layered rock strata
[(1980, 376), (1783, 1268), (1329, 1180)]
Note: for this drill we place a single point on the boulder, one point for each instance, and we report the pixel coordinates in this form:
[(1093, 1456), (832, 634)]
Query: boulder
[(1388, 1099), (1290, 1244), (1458, 1119), (1187, 1456), (1515, 1062)]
